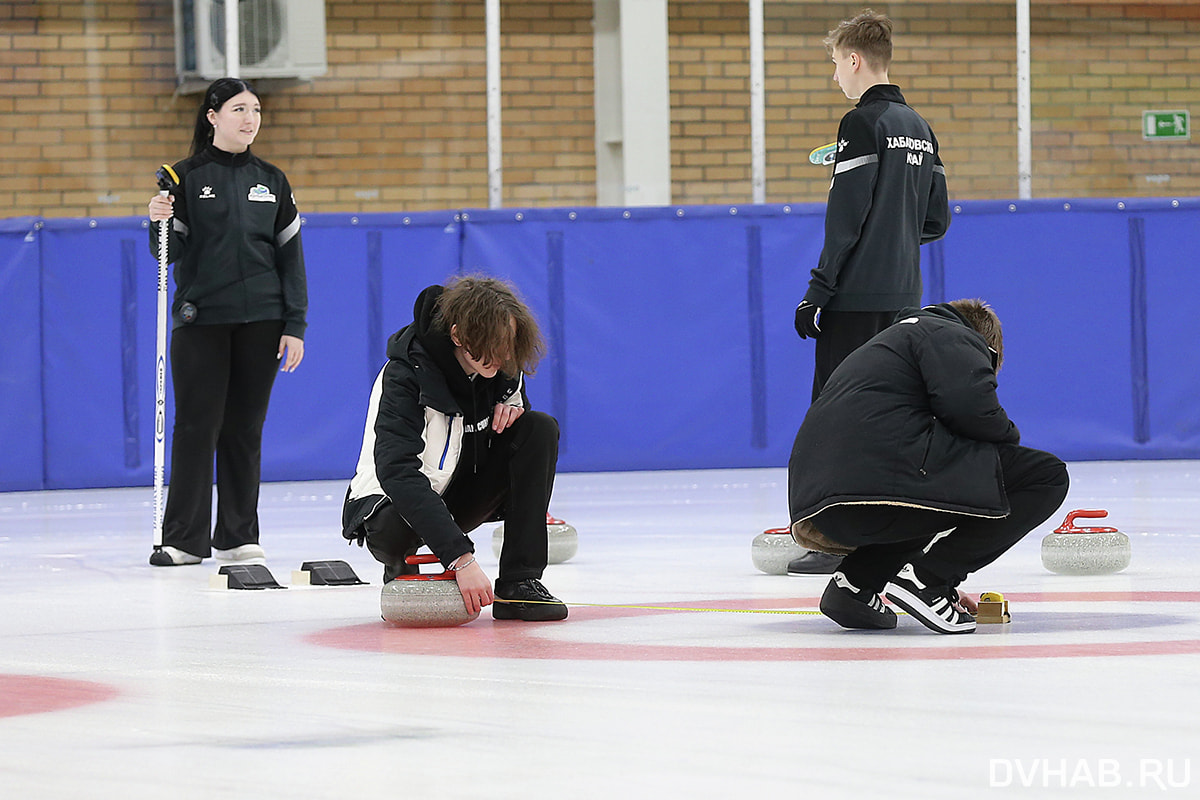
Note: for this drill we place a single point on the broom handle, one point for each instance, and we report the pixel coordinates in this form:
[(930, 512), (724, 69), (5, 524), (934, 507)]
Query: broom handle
[(160, 381)]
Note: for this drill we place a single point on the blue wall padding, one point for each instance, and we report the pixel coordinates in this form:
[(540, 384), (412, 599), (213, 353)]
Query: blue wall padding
[(669, 330), (1138, 346), (791, 248), (131, 279), (1063, 275), (315, 424), (755, 308), (21, 419), (1173, 364), (933, 270), (657, 333), (85, 331), (1060, 282)]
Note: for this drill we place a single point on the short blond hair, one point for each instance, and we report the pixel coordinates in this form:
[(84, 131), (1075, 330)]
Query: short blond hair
[(869, 34)]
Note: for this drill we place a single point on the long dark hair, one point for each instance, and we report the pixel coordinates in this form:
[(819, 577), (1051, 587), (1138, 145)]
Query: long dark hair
[(215, 96)]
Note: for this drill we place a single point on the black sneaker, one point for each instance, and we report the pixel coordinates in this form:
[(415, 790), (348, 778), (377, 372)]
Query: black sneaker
[(527, 600), (936, 607), (814, 563), (851, 607), (167, 556)]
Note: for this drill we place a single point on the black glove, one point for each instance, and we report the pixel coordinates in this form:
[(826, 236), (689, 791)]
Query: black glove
[(807, 318)]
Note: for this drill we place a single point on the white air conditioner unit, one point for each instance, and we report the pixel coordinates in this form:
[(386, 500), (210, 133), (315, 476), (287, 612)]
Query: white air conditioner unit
[(277, 39)]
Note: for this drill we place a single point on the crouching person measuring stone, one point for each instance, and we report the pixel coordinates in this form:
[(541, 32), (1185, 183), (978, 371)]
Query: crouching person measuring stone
[(450, 443), (907, 441)]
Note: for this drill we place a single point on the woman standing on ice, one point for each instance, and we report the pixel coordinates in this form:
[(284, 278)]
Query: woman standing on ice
[(238, 315)]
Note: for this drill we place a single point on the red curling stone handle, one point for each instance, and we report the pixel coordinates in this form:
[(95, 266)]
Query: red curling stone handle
[(1069, 526), (426, 558)]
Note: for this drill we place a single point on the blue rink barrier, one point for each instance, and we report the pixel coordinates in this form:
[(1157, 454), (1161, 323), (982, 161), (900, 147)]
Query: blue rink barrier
[(669, 330), (21, 416)]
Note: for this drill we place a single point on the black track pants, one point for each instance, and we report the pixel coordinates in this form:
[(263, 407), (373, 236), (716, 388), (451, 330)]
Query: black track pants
[(888, 537), (222, 377), (513, 483), (843, 332)]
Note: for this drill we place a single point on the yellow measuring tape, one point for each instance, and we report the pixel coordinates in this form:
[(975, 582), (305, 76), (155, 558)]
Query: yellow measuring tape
[(794, 612), (664, 608)]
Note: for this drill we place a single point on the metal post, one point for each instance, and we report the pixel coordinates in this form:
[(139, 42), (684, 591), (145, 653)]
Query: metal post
[(233, 67), (758, 148), (495, 172), (1024, 102)]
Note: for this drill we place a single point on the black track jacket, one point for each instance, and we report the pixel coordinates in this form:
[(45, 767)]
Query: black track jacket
[(425, 421), (235, 241), (887, 198)]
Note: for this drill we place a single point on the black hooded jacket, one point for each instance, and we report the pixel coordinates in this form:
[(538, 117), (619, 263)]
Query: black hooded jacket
[(910, 418), (427, 423)]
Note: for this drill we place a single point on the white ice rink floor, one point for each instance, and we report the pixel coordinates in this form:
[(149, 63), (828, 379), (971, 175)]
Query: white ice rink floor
[(121, 680)]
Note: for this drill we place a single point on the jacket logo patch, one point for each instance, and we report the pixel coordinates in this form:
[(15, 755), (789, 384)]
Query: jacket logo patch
[(917, 148), (260, 194), (909, 143), (207, 193), (481, 425)]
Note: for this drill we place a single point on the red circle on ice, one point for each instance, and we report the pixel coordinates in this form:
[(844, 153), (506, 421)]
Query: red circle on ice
[(484, 639), (32, 694)]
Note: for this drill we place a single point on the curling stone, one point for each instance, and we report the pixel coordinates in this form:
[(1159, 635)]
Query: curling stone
[(430, 600), (1072, 550), (562, 540), (772, 549)]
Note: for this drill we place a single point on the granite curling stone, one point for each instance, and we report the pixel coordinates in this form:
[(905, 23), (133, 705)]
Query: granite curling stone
[(772, 549), (424, 600), (562, 540), (1072, 550)]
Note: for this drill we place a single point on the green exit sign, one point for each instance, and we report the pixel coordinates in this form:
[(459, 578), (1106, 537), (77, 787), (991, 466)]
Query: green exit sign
[(1163, 125)]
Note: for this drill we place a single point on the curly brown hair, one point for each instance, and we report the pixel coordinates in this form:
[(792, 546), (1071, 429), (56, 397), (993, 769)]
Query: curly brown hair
[(983, 319), (491, 322), (869, 34)]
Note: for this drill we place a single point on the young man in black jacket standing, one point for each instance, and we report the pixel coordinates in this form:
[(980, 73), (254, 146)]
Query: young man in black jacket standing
[(887, 198), (906, 442), (450, 443)]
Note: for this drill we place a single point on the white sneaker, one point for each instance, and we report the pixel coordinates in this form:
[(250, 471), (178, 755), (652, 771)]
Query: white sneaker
[(935, 607), (167, 556), (242, 554)]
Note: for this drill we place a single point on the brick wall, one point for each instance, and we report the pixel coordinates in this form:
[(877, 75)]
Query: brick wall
[(88, 110), (1095, 67)]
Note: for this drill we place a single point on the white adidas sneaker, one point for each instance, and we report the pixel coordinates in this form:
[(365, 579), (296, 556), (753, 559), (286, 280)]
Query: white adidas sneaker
[(242, 554), (935, 607)]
